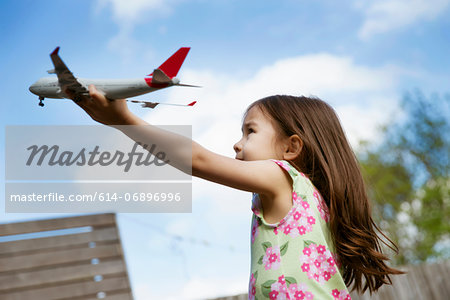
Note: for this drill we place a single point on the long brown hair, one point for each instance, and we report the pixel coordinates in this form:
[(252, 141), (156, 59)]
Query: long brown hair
[(328, 160)]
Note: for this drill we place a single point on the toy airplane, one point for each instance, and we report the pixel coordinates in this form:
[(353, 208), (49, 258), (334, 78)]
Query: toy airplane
[(162, 77)]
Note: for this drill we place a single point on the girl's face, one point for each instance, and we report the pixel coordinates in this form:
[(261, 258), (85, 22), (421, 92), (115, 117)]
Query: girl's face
[(260, 139)]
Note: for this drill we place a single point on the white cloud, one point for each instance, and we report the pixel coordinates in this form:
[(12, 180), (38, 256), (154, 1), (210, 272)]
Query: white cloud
[(363, 96), (130, 12), (386, 15)]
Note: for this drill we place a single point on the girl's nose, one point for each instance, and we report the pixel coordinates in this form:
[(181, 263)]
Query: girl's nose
[(237, 147)]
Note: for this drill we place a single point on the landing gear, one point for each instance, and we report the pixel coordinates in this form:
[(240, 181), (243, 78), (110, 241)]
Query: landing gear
[(41, 104)]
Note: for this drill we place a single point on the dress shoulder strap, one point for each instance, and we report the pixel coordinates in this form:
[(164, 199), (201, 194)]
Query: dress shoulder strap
[(288, 168)]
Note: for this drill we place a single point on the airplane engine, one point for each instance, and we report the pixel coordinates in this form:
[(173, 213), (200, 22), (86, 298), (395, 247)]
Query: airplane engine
[(59, 92)]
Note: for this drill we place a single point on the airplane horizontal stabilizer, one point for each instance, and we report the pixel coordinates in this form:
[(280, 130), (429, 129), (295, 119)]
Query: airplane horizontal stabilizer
[(159, 77), (154, 104)]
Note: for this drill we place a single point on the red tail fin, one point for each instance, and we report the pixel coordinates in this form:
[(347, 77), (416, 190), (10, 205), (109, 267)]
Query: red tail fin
[(171, 66)]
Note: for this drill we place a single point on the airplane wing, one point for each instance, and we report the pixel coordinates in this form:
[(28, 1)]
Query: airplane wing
[(65, 77)]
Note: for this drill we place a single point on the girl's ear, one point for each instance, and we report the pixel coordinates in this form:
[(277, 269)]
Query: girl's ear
[(293, 147)]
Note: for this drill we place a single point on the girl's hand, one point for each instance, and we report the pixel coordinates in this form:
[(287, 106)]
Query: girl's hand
[(103, 110)]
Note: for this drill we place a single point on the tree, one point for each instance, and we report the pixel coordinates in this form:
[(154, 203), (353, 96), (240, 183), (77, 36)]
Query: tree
[(407, 175)]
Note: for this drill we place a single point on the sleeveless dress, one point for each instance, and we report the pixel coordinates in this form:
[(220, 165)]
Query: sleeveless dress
[(294, 258)]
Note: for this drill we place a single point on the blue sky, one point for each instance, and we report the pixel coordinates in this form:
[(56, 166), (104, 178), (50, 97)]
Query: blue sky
[(360, 56)]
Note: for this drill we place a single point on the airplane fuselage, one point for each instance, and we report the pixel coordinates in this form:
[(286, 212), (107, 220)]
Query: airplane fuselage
[(48, 87)]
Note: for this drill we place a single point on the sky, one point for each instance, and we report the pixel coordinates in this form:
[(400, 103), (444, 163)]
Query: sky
[(359, 56)]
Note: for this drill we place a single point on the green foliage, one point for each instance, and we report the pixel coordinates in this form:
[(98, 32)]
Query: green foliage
[(408, 181)]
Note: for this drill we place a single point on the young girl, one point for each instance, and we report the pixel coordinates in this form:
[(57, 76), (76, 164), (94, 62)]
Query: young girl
[(312, 233)]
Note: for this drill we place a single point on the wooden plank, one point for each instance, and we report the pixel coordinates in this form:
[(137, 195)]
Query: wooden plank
[(436, 281), (60, 223), (444, 270), (58, 257), (99, 235), (122, 296), (403, 284), (420, 288), (60, 274), (86, 288)]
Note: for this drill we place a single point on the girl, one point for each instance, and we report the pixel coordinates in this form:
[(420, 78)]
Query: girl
[(312, 231)]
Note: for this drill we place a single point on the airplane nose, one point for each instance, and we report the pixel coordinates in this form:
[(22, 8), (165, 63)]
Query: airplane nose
[(33, 88)]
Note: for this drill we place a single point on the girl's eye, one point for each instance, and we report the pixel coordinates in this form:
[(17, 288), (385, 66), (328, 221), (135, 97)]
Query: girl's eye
[(250, 130)]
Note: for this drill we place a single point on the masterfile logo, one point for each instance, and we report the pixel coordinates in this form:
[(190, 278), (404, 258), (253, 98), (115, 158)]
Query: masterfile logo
[(53, 156), (86, 153)]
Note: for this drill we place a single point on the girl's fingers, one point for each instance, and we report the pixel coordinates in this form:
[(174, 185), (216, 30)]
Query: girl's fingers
[(96, 96), (99, 108)]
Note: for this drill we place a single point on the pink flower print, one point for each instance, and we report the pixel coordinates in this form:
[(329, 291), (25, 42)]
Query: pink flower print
[(253, 293), (299, 295), (299, 292), (256, 211), (316, 195), (283, 165), (287, 229), (307, 251), (252, 287), (331, 270), (321, 206), (305, 267), (272, 258), (273, 295), (321, 249), (315, 262), (278, 289), (322, 258), (305, 204), (295, 196), (330, 261), (275, 230), (340, 295), (336, 260), (255, 230), (309, 296), (300, 221), (308, 227), (293, 288), (284, 290)]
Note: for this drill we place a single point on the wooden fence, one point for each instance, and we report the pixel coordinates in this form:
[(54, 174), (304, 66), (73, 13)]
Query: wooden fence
[(427, 281), (422, 282), (84, 265)]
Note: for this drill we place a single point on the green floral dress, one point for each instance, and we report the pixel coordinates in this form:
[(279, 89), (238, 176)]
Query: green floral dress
[(294, 259)]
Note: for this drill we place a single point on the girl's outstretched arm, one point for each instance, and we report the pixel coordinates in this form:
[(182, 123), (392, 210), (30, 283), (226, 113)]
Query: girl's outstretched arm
[(263, 177)]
